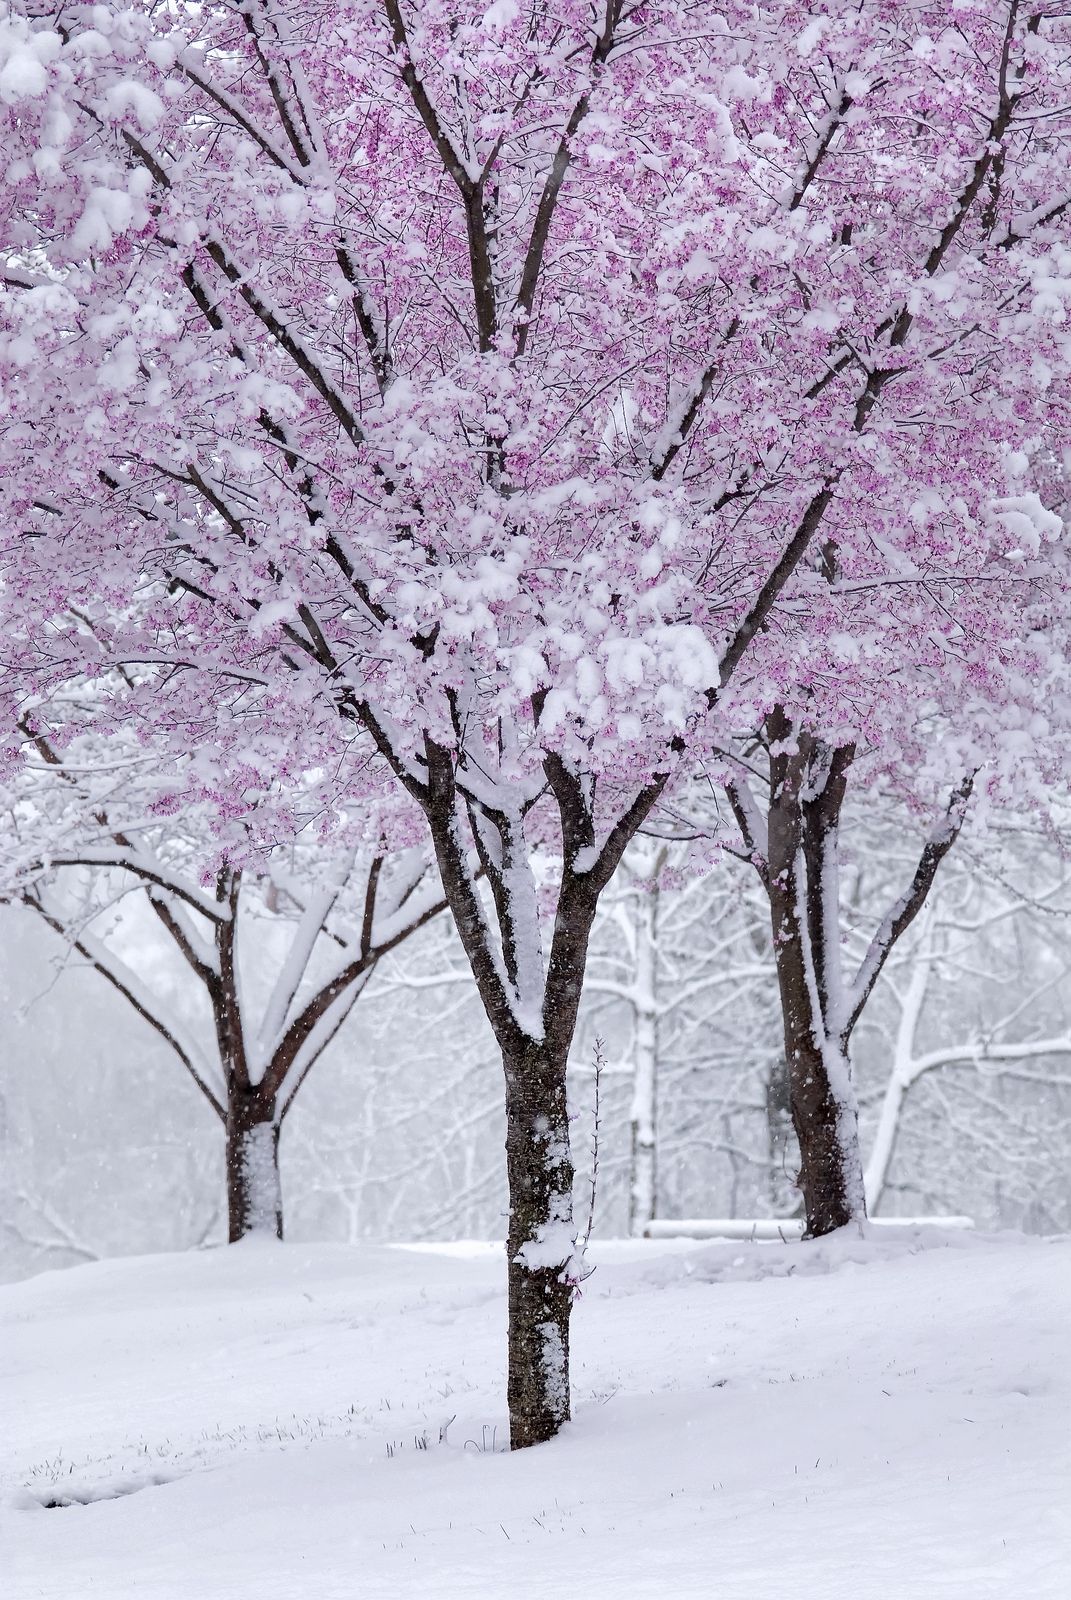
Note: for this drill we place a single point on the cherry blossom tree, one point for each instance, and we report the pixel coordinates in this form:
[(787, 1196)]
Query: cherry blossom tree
[(278, 950), (465, 401)]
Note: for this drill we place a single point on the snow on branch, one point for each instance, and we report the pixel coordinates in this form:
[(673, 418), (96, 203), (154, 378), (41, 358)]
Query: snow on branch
[(123, 978), (900, 916)]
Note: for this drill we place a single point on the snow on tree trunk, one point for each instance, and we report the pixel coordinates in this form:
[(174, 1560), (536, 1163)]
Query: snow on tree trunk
[(532, 1009), (779, 1136), (826, 1124), (801, 883), (254, 1193), (540, 1244), (881, 1151), (643, 1190), (903, 1065), (643, 1186)]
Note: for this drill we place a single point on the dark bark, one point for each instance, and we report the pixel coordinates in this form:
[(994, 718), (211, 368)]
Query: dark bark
[(830, 1175), (540, 1173), (806, 793), (808, 783), (538, 1163), (830, 1179), (254, 1195)]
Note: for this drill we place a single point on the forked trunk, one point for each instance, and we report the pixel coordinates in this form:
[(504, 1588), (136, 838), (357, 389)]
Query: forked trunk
[(541, 1240), (540, 1244), (254, 1194)]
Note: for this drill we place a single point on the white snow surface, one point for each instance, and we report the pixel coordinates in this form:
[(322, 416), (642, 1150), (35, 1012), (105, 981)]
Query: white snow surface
[(862, 1419)]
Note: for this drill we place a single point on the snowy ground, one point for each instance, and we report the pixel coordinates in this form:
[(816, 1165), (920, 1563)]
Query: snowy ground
[(876, 1420)]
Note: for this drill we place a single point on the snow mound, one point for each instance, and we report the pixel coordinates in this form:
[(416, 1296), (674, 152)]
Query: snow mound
[(749, 1261), (880, 1417)]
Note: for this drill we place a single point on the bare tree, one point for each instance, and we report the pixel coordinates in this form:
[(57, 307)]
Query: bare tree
[(335, 935), (955, 943)]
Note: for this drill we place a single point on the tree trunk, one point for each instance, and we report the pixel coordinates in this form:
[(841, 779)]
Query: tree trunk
[(521, 1000), (830, 1177), (254, 1194), (784, 1197), (806, 793), (643, 1188), (540, 1243), (881, 1151), (821, 1098)]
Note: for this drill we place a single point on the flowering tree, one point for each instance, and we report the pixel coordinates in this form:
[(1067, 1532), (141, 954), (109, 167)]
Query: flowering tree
[(983, 691), (83, 837), (472, 390)]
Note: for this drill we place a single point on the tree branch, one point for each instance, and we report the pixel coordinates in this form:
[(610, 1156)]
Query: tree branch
[(907, 908)]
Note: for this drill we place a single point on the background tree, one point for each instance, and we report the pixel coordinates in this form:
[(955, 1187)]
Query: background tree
[(680, 989), (795, 848), (990, 939), (397, 1133), (87, 854)]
